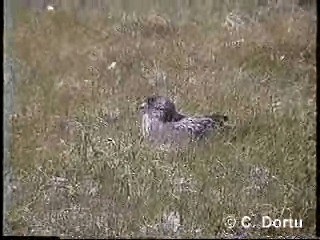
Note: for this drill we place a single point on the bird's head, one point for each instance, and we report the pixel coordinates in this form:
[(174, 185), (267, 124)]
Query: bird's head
[(158, 107)]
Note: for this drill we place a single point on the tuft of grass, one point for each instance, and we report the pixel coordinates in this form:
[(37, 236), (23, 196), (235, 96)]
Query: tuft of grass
[(81, 168)]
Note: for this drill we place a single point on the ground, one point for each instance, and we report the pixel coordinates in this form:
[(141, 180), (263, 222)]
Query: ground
[(80, 166)]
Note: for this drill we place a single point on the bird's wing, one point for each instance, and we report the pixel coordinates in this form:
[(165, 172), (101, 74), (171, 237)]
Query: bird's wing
[(196, 127)]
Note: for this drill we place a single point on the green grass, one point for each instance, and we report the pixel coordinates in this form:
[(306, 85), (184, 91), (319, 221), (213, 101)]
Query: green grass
[(80, 167)]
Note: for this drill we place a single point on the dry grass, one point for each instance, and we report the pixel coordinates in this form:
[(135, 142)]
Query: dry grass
[(80, 167)]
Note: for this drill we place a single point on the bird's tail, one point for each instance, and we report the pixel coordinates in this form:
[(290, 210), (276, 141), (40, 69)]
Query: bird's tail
[(219, 117), (222, 123)]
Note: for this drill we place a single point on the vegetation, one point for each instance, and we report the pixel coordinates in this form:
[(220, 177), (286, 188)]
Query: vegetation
[(81, 168)]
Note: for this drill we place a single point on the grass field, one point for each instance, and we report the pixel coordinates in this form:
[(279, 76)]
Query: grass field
[(80, 166)]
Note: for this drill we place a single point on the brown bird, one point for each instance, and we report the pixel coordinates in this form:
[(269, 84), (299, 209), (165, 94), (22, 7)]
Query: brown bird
[(162, 123)]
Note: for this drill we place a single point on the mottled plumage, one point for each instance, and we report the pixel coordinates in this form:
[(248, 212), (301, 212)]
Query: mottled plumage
[(162, 123)]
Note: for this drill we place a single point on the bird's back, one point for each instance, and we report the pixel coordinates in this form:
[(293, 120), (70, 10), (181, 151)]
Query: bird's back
[(197, 127)]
